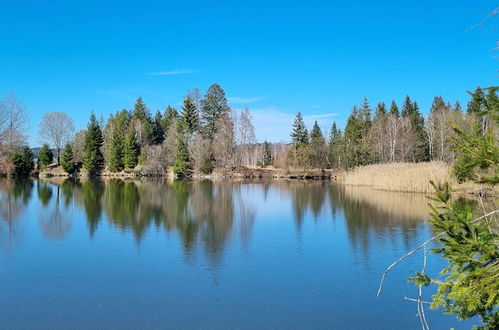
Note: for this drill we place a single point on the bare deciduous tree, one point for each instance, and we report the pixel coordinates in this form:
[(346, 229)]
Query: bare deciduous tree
[(246, 138), (13, 124), (57, 129)]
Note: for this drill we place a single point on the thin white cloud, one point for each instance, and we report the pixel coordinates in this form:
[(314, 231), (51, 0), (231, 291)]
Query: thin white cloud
[(244, 100), (323, 115), (172, 72)]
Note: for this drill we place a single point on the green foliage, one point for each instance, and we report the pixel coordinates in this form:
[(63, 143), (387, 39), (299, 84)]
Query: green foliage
[(23, 161), (411, 111), (170, 115), (131, 149), (319, 147), (142, 114), (356, 151), (116, 152), (335, 147), (93, 160), (67, 159), (394, 109), (181, 158), (478, 151), (190, 117), (213, 106), (45, 156), (299, 135), (267, 154), (158, 134), (470, 286)]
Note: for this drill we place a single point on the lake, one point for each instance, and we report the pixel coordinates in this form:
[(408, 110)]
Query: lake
[(204, 255)]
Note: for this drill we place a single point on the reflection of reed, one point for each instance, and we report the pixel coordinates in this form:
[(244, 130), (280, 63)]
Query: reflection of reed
[(399, 206)]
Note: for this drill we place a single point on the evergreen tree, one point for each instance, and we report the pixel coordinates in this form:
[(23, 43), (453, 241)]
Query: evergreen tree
[(158, 134), (23, 161), (67, 159), (457, 107), (380, 111), (213, 106), (365, 113), (335, 147), (190, 117), (356, 144), (170, 115), (142, 114), (411, 111), (45, 156), (181, 153), (116, 152), (319, 147), (476, 104), (93, 160), (394, 109), (131, 149), (299, 135), (267, 154)]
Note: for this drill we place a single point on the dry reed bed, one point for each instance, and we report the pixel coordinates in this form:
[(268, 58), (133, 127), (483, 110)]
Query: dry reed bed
[(408, 177)]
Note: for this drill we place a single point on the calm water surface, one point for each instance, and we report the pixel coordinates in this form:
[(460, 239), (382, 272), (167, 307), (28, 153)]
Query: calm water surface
[(154, 255)]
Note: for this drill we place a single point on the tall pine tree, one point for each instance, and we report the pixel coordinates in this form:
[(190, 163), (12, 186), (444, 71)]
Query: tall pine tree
[(131, 149), (299, 134), (190, 117), (67, 159), (93, 160), (213, 106)]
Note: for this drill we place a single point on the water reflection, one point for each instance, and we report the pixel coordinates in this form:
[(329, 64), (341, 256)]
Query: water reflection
[(207, 214), (14, 196)]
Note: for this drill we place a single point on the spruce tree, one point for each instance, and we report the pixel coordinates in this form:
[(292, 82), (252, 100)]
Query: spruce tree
[(190, 117), (23, 161), (299, 135), (67, 159), (142, 114), (116, 152), (394, 109), (411, 111), (380, 111), (334, 150), (93, 160), (267, 154), (158, 135), (168, 118), (131, 149), (181, 153), (213, 106), (476, 104), (318, 144), (45, 156)]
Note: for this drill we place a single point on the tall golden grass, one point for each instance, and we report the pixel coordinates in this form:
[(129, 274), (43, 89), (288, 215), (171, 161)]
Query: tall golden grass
[(408, 177)]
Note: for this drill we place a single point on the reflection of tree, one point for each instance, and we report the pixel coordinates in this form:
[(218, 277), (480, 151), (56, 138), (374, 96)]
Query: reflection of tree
[(55, 223), (44, 192), (92, 191), (14, 196)]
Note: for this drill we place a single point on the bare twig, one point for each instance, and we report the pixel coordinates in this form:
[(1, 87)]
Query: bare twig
[(421, 313), (408, 254), (415, 300)]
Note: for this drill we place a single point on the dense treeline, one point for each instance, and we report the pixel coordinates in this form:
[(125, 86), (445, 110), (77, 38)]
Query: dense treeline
[(205, 134)]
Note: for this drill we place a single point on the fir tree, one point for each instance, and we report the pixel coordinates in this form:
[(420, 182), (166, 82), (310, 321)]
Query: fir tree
[(170, 115), (116, 152), (67, 159), (158, 134), (181, 153), (142, 114), (93, 160), (45, 156), (319, 147), (380, 111), (394, 109), (457, 107), (476, 104), (213, 106), (131, 149), (190, 117), (411, 111), (23, 161), (299, 135), (267, 154)]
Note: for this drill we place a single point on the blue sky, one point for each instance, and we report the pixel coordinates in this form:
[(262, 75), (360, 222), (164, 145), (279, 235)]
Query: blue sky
[(276, 57)]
